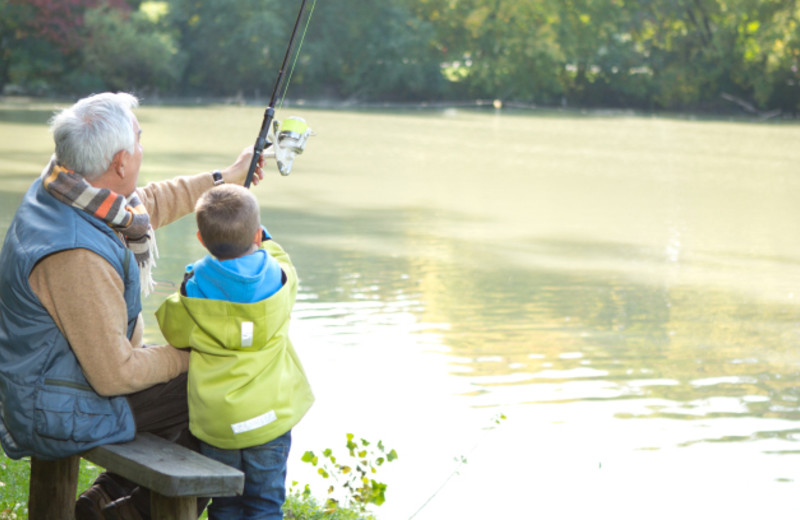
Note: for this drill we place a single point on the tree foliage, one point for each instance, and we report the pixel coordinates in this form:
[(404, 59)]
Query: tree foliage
[(673, 54), (361, 49), (130, 51), (231, 46)]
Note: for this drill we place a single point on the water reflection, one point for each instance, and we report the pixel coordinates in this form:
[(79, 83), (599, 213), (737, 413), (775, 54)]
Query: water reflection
[(530, 336)]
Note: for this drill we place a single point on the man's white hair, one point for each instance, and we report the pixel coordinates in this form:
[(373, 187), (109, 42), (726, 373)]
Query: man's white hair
[(89, 133)]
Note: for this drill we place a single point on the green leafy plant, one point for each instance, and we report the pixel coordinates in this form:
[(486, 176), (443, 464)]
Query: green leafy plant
[(352, 478), (300, 505)]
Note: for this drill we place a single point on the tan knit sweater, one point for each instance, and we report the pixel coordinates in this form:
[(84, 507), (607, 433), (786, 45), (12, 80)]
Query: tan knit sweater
[(84, 295)]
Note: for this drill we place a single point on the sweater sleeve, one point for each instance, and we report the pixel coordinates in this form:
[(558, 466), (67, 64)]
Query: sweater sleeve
[(167, 201), (90, 311)]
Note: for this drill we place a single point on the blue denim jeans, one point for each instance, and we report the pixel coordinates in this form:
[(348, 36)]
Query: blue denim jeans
[(264, 468)]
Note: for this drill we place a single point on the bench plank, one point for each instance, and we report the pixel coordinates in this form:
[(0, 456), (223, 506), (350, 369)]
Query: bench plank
[(167, 468)]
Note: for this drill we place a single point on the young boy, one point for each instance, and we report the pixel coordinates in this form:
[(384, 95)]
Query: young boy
[(247, 388)]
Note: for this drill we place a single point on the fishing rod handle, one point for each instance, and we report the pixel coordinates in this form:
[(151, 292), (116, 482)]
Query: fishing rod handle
[(261, 144), (252, 170)]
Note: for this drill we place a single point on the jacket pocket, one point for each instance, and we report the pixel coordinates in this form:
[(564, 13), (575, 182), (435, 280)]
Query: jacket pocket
[(94, 420), (54, 415), (75, 417)]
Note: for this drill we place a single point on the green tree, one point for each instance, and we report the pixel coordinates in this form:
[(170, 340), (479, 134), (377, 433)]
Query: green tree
[(41, 50), (231, 46), (700, 49), (129, 51), (602, 64), (543, 51), (686, 46), (514, 52), (768, 45), (8, 35), (673, 54), (366, 50)]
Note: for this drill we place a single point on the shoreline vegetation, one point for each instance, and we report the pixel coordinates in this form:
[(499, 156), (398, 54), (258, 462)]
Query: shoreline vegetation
[(739, 109), (662, 55)]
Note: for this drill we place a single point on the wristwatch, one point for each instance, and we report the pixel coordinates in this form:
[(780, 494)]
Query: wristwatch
[(217, 176)]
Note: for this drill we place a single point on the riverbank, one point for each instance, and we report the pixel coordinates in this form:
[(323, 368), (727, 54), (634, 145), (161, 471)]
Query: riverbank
[(736, 113)]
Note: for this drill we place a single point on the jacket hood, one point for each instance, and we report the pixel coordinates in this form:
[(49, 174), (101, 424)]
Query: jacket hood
[(188, 319), (238, 326), (246, 279)]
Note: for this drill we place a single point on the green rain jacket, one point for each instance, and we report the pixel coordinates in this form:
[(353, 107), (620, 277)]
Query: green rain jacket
[(246, 383)]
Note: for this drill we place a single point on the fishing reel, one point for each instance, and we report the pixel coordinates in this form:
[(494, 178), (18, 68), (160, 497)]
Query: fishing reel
[(289, 141)]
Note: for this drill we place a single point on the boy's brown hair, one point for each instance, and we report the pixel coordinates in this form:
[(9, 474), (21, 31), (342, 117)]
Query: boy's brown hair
[(228, 218)]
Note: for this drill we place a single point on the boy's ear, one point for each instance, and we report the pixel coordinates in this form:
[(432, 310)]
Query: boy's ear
[(200, 238), (258, 237)]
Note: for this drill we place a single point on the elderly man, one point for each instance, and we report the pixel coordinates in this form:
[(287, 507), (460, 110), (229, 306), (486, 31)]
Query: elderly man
[(77, 256)]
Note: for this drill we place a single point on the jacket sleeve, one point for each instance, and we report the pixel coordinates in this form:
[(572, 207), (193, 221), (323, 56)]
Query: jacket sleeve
[(175, 323)]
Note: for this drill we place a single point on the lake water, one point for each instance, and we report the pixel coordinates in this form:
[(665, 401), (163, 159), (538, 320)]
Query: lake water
[(624, 290)]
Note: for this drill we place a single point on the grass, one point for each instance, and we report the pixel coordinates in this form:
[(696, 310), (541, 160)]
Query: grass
[(15, 475), (299, 507), (14, 478)]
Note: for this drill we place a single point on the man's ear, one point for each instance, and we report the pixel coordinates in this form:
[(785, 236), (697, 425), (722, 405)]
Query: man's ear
[(200, 238), (118, 163)]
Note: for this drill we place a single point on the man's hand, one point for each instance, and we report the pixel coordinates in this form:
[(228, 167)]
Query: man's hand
[(237, 172)]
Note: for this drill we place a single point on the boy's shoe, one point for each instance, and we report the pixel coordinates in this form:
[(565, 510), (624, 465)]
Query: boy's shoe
[(121, 509), (90, 504)]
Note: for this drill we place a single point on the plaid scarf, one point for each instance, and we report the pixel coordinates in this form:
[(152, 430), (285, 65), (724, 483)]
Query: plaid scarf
[(126, 216)]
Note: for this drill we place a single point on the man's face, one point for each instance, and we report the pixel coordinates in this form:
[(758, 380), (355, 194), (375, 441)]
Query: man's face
[(132, 163)]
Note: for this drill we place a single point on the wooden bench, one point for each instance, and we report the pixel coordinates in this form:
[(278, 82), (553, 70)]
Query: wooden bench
[(175, 476)]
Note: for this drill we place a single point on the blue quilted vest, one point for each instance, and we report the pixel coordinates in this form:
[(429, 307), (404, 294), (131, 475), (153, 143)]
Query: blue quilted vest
[(47, 407)]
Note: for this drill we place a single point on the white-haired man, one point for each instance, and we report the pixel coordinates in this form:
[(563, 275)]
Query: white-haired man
[(77, 256)]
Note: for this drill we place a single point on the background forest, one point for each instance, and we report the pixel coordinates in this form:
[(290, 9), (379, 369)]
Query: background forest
[(646, 54)]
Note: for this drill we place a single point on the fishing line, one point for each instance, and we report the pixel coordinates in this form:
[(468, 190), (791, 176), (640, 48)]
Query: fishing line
[(262, 140), (297, 54), (460, 462)]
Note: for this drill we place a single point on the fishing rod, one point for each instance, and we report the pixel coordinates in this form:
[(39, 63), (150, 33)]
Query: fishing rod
[(261, 141)]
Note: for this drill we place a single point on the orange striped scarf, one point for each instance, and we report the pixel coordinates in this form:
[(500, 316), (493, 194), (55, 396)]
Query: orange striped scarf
[(125, 215)]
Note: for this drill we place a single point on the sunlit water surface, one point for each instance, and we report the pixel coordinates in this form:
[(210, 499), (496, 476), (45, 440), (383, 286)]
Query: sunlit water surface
[(624, 290)]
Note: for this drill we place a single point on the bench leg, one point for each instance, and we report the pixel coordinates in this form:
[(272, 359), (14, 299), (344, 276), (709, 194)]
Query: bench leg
[(52, 488), (172, 508)]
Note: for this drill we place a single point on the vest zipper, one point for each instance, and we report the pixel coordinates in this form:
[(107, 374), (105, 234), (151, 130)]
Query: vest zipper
[(67, 384)]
